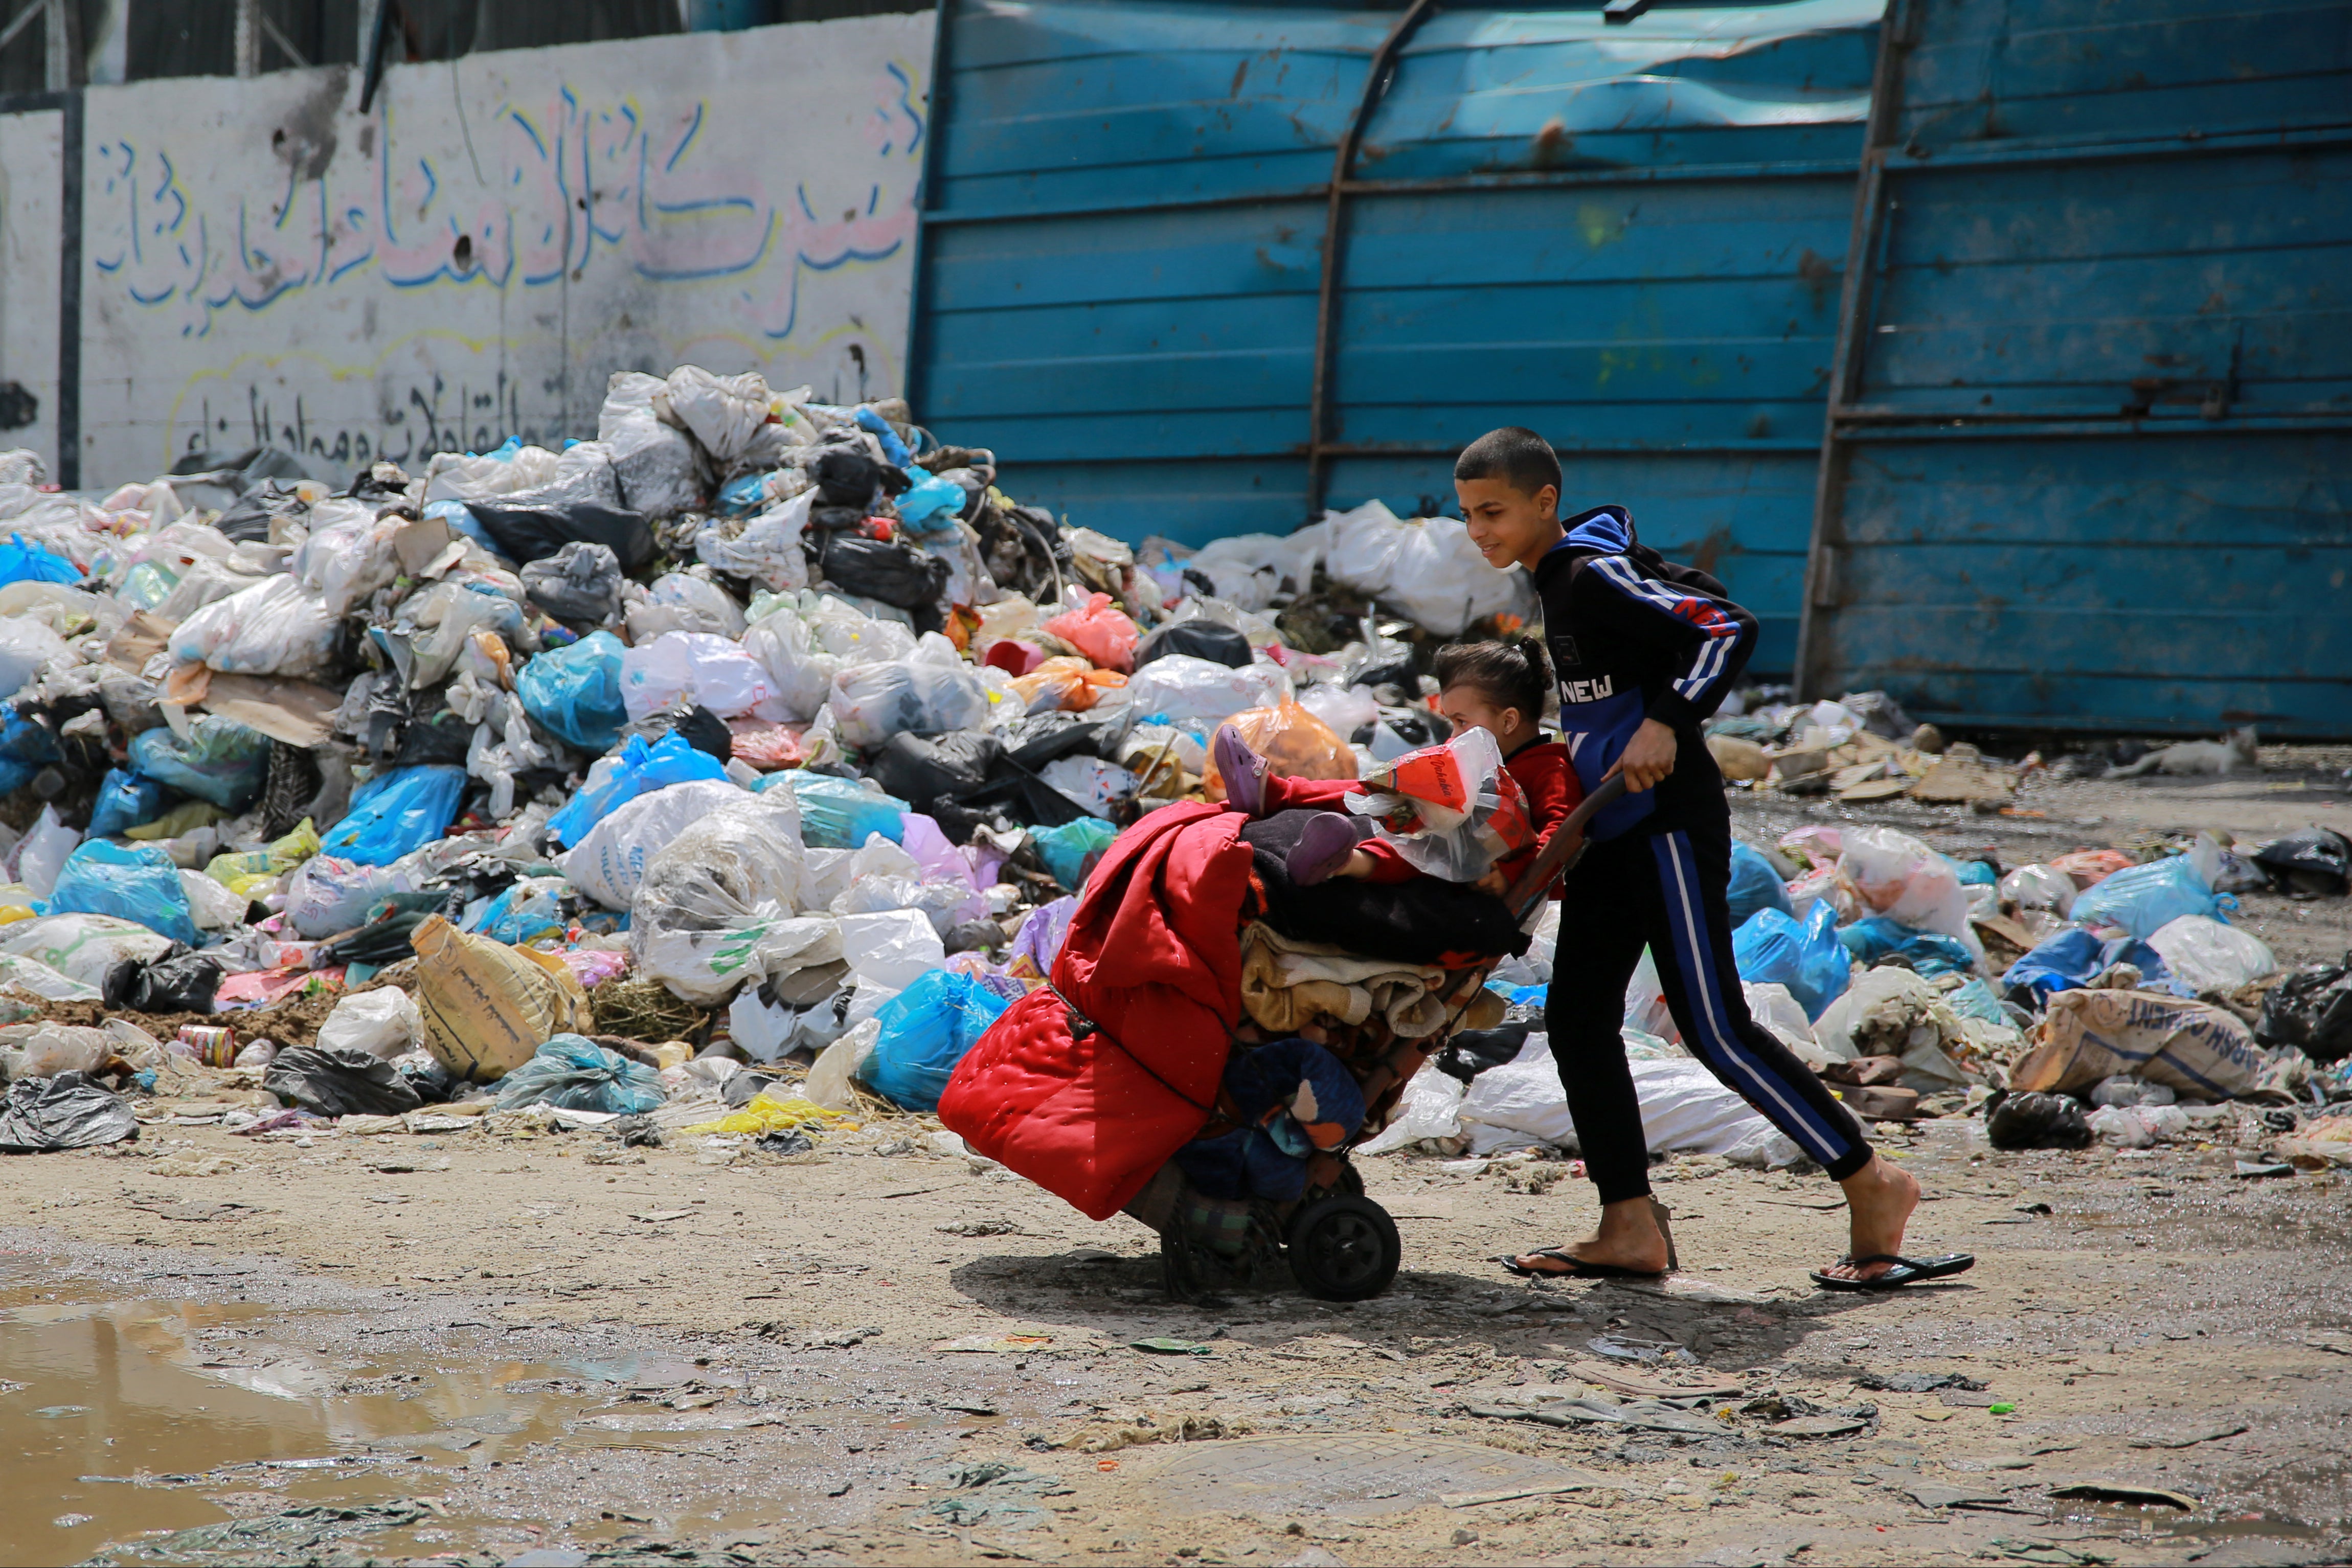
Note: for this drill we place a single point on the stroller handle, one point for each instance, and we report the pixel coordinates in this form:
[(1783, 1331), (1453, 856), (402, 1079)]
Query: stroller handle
[(1566, 847)]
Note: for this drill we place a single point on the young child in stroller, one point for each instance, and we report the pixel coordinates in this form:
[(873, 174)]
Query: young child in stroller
[(1496, 686)]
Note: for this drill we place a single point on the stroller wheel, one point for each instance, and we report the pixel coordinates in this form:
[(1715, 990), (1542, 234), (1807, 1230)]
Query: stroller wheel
[(1344, 1248)]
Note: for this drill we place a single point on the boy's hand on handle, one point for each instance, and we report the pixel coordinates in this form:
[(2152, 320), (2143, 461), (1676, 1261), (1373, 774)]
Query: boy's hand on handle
[(1649, 758)]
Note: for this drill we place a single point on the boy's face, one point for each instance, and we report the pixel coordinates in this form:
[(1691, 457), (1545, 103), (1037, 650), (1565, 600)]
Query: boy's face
[(1509, 524)]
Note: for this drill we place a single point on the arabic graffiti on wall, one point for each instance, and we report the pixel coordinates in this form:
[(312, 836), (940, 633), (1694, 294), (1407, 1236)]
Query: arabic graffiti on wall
[(473, 258)]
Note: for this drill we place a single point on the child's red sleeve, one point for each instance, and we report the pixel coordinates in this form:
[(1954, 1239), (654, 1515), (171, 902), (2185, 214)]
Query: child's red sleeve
[(1549, 780)]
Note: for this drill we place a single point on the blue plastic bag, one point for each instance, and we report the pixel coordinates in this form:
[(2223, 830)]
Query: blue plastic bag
[(574, 693), (23, 562), (572, 1072), (742, 495), (2067, 961), (396, 813), (893, 448), (1978, 874), (638, 770), (221, 761), (1880, 938), (1808, 958), (931, 504), (531, 907), (125, 799), (841, 813), (26, 748), (1755, 884), (2144, 899), (1064, 849), (925, 1030), (138, 883)]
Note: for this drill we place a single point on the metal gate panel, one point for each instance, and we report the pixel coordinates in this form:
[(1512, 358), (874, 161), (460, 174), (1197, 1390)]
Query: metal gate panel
[(2086, 461), (1630, 238)]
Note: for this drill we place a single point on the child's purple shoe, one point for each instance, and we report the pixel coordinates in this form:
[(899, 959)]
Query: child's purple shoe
[(1324, 846), (1242, 771)]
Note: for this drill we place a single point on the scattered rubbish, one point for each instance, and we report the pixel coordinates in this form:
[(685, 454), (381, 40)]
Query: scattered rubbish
[(2119, 1491)]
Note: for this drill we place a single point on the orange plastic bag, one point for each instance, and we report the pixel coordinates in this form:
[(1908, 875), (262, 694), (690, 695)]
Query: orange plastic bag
[(2091, 867), (1297, 744), (1064, 681), (1101, 632)]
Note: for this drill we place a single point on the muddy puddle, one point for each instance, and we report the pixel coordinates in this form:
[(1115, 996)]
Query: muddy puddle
[(153, 1429)]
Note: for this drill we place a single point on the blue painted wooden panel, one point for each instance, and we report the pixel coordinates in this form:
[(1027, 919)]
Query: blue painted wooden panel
[(1663, 309), (2095, 472)]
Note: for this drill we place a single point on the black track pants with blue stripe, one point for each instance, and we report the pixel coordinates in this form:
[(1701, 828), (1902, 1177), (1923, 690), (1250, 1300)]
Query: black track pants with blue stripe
[(1666, 890)]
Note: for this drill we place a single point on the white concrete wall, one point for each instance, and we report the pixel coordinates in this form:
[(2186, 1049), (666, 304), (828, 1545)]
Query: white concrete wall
[(32, 189), (472, 258)]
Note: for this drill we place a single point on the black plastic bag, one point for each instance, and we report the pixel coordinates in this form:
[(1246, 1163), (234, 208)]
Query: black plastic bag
[(344, 1081), (67, 1112), (248, 517), (893, 572), (2312, 1010), (2315, 861), (442, 738), (975, 936), (2037, 1121), (921, 771), (1200, 638), (1472, 1052), (181, 982), (846, 477), (580, 583), (529, 533), (1043, 738)]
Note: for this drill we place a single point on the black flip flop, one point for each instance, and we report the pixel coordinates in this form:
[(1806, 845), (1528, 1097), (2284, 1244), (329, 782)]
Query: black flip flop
[(1578, 1269), (1906, 1272)]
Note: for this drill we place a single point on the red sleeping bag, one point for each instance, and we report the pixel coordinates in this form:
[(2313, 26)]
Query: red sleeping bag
[(1153, 956)]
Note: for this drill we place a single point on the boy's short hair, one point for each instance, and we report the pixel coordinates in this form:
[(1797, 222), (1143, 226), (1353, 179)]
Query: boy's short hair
[(1514, 454), (1509, 673)]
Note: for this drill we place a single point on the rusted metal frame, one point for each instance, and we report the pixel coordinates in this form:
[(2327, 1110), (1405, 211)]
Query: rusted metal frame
[(1437, 184), (1318, 407), (1855, 298), (927, 192), (2180, 144)]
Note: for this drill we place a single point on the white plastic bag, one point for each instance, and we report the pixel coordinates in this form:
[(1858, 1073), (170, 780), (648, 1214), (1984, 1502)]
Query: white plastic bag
[(2038, 887), (722, 412), (874, 702), (2206, 955), (610, 861), (384, 1022), (348, 556), (767, 550), (329, 895), (46, 1049), (1431, 1108), (41, 853), (2138, 1126), (655, 464), (278, 627), (583, 475), (847, 632), (1427, 568), (1905, 880), (681, 602), (1199, 694), (26, 649), (891, 950), (832, 1077), (696, 667), (32, 975), (460, 476), (800, 673), (82, 947), (1345, 709), (1772, 1005), (214, 908), (717, 905)]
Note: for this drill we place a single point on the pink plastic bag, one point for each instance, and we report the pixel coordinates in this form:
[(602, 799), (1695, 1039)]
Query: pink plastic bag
[(1102, 633)]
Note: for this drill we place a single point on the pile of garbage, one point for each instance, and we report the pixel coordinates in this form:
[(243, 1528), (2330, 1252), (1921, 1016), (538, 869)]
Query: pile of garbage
[(2092, 998), (731, 769)]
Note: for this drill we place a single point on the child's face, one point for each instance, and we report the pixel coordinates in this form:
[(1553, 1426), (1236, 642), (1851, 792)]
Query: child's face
[(1466, 706), (1509, 524)]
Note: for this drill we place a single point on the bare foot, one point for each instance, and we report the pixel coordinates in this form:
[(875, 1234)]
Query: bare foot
[(1628, 1238), (1879, 1200)]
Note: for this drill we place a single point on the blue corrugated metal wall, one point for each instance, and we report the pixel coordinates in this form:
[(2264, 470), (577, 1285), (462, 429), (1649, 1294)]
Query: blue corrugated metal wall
[(2091, 446), (1628, 237)]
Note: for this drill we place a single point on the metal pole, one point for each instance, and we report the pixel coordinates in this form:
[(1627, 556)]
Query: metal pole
[(61, 46), (248, 37), (1327, 299)]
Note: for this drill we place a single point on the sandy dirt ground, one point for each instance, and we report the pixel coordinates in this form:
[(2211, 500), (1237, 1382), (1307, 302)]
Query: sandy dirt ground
[(552, 1350)]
